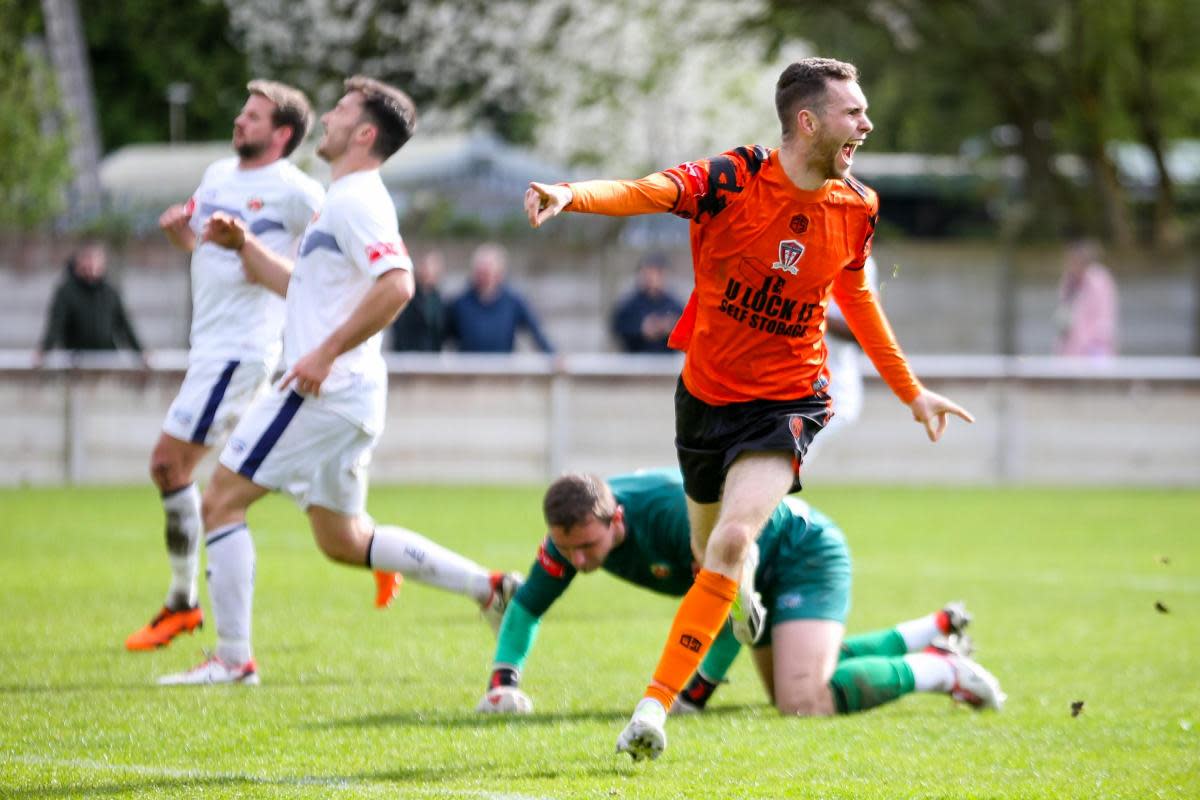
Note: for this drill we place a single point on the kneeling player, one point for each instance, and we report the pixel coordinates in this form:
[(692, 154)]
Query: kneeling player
[(635, 526)]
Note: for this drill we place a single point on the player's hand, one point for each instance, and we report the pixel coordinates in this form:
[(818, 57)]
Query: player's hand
[(175, 218), (932, 410), (545, 200), (309, 373), (225, 230), (505, 700)]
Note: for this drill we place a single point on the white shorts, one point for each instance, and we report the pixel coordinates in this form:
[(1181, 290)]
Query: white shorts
[(293, 445), (212, 398)]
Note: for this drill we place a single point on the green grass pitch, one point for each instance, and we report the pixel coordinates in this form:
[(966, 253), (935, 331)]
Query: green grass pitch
[(363, 703)]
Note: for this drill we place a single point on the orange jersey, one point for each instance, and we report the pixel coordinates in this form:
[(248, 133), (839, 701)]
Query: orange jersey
[(767, 257)]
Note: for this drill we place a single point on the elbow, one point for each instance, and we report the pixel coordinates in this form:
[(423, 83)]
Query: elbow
[(400, 289)]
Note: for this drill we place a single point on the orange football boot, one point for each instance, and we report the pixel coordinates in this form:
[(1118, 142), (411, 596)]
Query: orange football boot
[(387, 587), (165, 626)]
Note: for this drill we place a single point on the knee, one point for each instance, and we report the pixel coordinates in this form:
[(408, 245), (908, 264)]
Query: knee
[(340, 538), (339, 550), (217, 508), (731, 541), (163, 471), (814, 702), (210, 509)]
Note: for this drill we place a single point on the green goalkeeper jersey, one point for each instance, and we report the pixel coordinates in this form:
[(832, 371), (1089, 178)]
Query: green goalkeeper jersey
[(655, 554)]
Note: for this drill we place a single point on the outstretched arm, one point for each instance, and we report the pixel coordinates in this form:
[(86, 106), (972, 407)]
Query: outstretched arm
[(546, 200), (648, 195), (862, 311), (548, 578), (933, 411)]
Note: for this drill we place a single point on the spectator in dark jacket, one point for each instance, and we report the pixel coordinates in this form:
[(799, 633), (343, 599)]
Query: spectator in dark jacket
[(643, 319), (421, 326), (86, 312), (486, 317)]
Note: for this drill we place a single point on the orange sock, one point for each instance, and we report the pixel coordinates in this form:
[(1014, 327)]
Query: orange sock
[(701, 614)]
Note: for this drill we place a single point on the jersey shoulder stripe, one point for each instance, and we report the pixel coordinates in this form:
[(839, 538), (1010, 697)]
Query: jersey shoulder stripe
[(707, 187), (864, 192), (554, 568), (316, 240)]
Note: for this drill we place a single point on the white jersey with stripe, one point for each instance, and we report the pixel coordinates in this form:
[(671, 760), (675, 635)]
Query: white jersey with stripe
[(352, 241), (233, 319)]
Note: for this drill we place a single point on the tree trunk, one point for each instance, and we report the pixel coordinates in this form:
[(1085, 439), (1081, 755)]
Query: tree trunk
[(1144, 104)]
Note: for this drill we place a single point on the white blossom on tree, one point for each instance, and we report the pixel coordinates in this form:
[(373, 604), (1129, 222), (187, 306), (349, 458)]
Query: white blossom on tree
[(620, 87)]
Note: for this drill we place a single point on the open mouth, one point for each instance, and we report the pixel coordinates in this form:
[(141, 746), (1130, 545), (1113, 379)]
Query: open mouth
[(848, 150)]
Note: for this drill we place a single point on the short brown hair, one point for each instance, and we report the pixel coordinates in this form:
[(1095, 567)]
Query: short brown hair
[(392, 111), (292, 109), (575, 497), (802, 85)]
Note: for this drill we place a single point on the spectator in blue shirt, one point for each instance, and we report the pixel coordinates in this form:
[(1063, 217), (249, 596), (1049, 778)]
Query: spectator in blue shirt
[(485, 318), (643, 319)]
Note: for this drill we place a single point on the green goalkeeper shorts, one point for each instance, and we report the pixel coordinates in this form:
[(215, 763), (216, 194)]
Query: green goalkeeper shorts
[(808, 578)]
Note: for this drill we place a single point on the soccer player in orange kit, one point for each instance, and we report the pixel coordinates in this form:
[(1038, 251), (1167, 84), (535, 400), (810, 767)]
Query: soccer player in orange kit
[(775, 233)]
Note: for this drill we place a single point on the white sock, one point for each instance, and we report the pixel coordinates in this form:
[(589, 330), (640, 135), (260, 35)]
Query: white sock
[(930, 673), (411, 554), (231, 586), (919, 633), (182, 509)]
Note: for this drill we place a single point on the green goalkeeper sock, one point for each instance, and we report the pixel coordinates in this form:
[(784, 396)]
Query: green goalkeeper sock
[(862, 683), (720, 656), (887, 642)]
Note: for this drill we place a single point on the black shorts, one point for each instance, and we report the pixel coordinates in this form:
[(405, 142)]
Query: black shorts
[(708, 438)]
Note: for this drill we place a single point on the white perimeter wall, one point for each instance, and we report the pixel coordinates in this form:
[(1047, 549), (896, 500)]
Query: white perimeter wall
[(522, 419)]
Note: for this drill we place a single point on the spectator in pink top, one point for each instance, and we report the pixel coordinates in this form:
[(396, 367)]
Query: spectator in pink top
[(1086, 316)]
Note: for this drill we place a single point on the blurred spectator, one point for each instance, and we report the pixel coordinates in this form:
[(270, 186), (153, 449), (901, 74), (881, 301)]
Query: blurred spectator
[(643, 319), (422, 324), (1086, 316), (485, 318), (86, 312)]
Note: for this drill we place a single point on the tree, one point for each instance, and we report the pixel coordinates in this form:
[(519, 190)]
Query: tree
[(34, 167), (631, 84), (1055, 79), (139, 47)]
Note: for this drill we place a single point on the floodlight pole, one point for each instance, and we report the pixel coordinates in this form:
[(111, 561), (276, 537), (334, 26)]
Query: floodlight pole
[(178, 96)]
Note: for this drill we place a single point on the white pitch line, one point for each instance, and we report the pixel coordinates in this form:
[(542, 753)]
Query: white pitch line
[(343, 784)]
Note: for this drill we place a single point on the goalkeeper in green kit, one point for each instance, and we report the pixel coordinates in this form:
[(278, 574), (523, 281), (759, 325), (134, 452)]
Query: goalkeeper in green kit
[(635, 526)]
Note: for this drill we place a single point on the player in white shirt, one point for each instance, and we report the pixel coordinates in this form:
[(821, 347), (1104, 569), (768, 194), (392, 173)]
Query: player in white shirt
[(236, 322), (312, 437)]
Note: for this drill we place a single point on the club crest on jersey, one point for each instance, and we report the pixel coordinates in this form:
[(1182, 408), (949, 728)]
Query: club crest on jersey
[(254, 204), (789, 254), (796, 426), (382, 250), (660, 570)]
